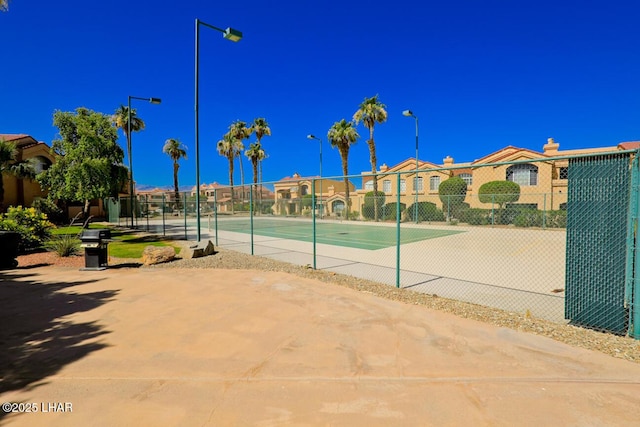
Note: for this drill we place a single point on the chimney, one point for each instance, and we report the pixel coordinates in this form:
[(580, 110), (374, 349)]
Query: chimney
[(448, 161), (384, 167), (551, 147)]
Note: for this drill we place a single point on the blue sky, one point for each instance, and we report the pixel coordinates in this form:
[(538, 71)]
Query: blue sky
[(480, 75)]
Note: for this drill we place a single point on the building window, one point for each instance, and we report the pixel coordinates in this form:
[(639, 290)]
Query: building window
[(524, 175), (563, 173), (403, 186), (434, 183), (368, 186), (467, 178), (386, 186), (417, 184), (304, 190)]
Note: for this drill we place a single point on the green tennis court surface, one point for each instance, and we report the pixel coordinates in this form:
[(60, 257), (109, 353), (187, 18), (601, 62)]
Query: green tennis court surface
[(346, 234)]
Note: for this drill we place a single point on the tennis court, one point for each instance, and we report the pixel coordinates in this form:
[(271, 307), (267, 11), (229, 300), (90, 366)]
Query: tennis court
[(371, 237)]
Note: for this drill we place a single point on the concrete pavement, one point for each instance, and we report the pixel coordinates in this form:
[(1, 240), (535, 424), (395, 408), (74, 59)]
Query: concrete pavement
[(184, 347)]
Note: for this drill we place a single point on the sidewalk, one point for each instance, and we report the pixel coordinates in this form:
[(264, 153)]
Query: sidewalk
[(187, 347)]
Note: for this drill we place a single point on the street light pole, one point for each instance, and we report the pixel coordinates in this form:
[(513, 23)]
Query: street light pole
[(234, 36), (318, 139), (153, 101), (409, 113)]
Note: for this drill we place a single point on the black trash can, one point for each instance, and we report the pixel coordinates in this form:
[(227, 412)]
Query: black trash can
[(95, 243), (9, 241)]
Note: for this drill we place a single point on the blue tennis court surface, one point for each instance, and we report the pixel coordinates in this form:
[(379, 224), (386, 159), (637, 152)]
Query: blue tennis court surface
[(348, 234)]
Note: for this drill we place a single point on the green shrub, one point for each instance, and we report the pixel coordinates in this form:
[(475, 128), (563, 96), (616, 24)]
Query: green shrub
[(458, 211), (556, 219), (64, 245), (368, 209), (474, 216), (452, 193), (427, 211), (34, 227), (388, 211), (528, 218), (307, 200), (500, 193)]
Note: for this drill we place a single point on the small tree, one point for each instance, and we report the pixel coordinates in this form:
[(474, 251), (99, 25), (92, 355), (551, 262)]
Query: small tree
[(88, 160), (373, 202), (452, 193), (499, 193)]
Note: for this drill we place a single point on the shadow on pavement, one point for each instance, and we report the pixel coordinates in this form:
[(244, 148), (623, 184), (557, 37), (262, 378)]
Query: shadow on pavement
[(35, 339)]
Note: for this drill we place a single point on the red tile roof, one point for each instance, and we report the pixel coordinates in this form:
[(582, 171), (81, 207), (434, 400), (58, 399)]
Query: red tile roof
[(629, 145)]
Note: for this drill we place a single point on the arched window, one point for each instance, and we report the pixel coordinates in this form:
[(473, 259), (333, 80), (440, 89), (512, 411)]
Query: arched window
[(525, 174), (304, 190)]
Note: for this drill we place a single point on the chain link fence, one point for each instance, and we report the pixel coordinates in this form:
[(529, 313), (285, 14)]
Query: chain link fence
[(553, 238)]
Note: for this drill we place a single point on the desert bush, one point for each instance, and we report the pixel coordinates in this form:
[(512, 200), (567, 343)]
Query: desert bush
[(474, 216), (528, 218), (64, 245), (556, 219), (33, 226)]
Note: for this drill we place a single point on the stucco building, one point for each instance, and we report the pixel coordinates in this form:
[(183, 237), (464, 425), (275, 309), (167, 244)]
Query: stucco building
[(19, 191)]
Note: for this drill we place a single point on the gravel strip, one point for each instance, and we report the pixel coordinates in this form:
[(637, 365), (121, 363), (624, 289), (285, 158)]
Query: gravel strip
[(613, 345)]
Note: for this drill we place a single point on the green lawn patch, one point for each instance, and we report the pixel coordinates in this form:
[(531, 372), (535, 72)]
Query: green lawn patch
[(125, 244)]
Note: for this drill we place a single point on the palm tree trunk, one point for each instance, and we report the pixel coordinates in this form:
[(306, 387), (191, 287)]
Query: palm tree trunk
[(241, 175), (374, 170), (255, 181), (175, 184), (231, 181), (345, 172)]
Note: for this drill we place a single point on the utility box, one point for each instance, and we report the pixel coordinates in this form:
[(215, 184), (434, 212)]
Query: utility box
[(95, 243)]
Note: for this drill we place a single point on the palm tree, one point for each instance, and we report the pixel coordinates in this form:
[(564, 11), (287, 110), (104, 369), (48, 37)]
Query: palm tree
[(256, 154), (121, 119), (176, 151), (260, 128), (239, 131), (370, 112), (341, 135), (4, 5), (229, 147), (10, 164)]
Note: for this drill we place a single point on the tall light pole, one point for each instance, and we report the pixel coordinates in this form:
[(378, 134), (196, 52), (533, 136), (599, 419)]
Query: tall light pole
[(153, 101), (234, 36), (318, 139), (409, 113)]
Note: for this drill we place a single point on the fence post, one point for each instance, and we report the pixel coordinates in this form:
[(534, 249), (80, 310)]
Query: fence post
[(544, 211), (493, 214), (313, 218), (251, 215), (632, 285), (146, 202), (164, 207), (398, 230), (215, 212), (186, 237)]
